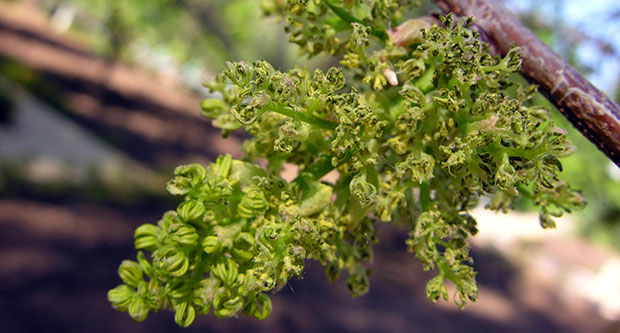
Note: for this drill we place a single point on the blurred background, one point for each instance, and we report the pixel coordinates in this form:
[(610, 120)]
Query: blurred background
[(99, 102)]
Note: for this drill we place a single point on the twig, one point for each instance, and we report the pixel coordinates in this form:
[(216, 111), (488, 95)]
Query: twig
[(593, 113)]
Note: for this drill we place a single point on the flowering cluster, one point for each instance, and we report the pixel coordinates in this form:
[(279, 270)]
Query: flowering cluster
[(427, 124)]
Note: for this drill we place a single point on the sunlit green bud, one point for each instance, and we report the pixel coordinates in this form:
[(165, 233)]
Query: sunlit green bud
[(185, 235), (226, 271), (184, 314), (191, 210), (174, 262), (227, 307), (211, 244), (435, 288), (130, 272), (259, 307), (239, 73), (224, 163), (145, 237), (121, 297), (186, 177), (253, 203), (315, 198), (212, 107), (362, 190), (147, 268)]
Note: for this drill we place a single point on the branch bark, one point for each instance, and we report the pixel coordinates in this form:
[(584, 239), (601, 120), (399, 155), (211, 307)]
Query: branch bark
[(594, 114)]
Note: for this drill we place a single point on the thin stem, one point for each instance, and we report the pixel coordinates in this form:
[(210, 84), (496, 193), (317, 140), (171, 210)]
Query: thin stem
[(348, 18), (302, 116)]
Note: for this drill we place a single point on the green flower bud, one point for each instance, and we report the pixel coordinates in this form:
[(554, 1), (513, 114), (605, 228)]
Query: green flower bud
[(259, 307), (335, 77), (223, 165), (184, 314), (505, 177), (223, 307), (226, 271), (227, 123), (435, 288), (242, 248), (191, 210), (239, 73), (253, 203), (138, 310), (419, 165), (130, 272), (358, 283), (212, 244), (362, 190), (186, 177), (185, 235), (145, 237), (212, 107), (121, 297), (173, 262)]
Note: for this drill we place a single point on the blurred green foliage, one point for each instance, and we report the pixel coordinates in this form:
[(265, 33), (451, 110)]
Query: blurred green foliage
[(204, 33)]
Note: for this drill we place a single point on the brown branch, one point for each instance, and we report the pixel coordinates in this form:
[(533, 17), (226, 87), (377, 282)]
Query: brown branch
[(593, 113)]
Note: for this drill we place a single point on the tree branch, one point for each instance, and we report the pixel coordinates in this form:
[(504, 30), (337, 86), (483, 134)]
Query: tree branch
[(593, 113)]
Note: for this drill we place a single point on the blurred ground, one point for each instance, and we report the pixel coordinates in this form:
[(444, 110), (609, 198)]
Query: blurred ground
[(59, 253)]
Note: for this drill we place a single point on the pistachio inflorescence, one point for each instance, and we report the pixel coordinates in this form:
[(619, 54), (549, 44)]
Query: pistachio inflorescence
[(427, 125)]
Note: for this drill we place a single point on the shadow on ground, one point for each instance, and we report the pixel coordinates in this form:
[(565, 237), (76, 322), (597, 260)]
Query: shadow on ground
[(58, 261)]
